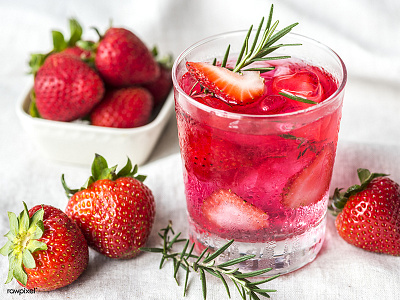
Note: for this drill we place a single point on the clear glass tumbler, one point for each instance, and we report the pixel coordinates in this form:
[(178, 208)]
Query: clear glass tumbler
[(262, 180)]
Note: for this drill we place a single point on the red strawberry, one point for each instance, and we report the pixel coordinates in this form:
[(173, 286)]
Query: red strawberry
[(232, 87), (123, 108), (46, 249), (310, 184), (78, 52), (66, 88), (225, 210), (122, 59), (162, 86), (369, 214), (115, 211)]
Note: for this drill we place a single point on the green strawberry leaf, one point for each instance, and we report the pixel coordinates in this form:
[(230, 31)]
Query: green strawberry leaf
[(13, 220), (98, 165), (27, 259), (76, 32), (5, 250), (126, 170), (22, 242), (100, 170), (59, 43), (36, 61)]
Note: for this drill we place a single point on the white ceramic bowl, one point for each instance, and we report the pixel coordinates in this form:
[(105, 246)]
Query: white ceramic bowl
[(77, 143)]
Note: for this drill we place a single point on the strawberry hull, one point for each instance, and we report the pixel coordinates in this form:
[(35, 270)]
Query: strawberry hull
[(259, 172)]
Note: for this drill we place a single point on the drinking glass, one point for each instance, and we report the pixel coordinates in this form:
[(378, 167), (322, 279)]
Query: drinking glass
[(236, 165)]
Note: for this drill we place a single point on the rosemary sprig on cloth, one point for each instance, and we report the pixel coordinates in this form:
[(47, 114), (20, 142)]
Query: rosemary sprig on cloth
[(205, 263)]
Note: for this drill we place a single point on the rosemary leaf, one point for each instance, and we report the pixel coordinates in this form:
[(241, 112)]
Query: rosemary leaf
[(186, 281), (244, 45), (257, 35), (261, 70), (151, 249), (253, 274), (280, 34), (226, 57), (224, 283), (174, 240), (236, 261), (264, 280), (254, 296), (296, 98), (203, 283), (218, 252)]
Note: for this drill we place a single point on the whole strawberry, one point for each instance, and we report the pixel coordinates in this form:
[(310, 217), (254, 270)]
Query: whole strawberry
[(369, 214), (162, 86), (114, 210), (46, 249), (66, 88), (122, 59), (123, 108)]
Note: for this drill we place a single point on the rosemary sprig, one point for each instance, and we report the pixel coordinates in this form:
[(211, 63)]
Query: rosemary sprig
[(297, 98), (259, 50), (205, 263)]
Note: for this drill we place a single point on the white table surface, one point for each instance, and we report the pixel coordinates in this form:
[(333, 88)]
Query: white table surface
[(365, 33)]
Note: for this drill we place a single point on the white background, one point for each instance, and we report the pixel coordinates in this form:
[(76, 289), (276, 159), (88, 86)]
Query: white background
[(365, 33)]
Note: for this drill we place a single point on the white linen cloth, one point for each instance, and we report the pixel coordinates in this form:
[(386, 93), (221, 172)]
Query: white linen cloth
[(365, 33)]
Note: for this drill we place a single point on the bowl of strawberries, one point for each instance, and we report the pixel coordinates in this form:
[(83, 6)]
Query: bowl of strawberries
[(111, 96)]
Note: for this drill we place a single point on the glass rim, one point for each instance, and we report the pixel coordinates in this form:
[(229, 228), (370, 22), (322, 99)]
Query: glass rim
[(313, 108)]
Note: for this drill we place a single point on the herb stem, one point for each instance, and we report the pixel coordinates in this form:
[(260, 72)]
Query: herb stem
[(206, 263)]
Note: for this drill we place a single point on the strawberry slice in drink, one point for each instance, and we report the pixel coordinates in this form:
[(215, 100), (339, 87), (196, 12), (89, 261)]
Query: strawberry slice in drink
[(310, 184), (234, 88), (227, 212)]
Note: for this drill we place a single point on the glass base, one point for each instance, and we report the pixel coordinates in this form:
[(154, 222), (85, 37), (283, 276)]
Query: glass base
[(283, 256)]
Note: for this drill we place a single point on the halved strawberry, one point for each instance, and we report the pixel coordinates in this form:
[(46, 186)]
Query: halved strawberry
[(310, 184), (226, 211), (234, 88)]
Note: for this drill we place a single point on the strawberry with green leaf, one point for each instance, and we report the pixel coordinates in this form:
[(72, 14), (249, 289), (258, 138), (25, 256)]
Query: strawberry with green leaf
[(368, 214), (115, 211), (45, 248), (122, 59), (61, 44)]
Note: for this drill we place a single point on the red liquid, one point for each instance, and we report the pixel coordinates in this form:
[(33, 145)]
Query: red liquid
[(258, 163)]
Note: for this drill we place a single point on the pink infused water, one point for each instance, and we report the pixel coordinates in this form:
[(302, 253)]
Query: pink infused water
[(260, 173)]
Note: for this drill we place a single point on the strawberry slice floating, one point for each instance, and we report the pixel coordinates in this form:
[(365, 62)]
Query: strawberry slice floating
[(227, 211), (234, 88), (311, 183)]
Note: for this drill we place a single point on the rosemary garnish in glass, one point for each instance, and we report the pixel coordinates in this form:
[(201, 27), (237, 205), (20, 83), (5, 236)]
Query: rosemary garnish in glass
[(205, 263), (259, 50)]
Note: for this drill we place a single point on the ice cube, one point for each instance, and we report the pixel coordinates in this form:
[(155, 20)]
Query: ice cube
[(301, 83)]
